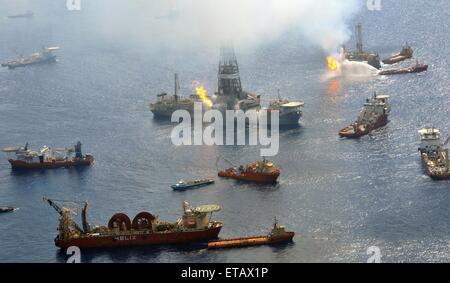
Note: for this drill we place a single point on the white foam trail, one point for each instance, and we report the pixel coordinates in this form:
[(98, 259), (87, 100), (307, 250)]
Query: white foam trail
[(350, 69)]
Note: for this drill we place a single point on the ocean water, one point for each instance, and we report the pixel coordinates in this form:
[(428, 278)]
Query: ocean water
[(340, 196)]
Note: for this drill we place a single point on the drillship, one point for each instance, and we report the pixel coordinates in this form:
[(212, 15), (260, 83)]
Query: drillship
[(167, 104), (47, 158), (374, 115), (146, 229), (434, 154), (45, 56), (360, 55)]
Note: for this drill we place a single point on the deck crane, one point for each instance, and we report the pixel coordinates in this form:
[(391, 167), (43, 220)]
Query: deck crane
[(59, 209)]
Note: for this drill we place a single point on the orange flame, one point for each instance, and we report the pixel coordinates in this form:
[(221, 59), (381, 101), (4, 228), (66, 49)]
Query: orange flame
[(201, 93), (332, 63)]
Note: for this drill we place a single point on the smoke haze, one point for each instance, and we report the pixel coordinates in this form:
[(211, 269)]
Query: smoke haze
[(246, 23), (184, 23)]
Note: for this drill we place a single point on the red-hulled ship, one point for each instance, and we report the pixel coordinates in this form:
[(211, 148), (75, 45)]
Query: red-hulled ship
[(374, 115), (47, 158), (260, 172), (406, 53), (277, 235), (195, 225)]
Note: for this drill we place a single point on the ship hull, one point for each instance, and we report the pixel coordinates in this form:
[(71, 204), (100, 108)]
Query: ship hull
[(404, 71), (250, 241), (18, 65), (434, 175), (189, 187), (140, 239), (290, 119), (7, 209), (382, 121), (22, 165), (251, 177), (396, 59)]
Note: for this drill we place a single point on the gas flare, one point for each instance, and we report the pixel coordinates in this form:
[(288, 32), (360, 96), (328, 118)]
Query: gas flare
[(202, 94), (332, 63)]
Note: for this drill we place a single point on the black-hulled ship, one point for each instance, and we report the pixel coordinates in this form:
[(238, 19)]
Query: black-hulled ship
[(44, 56), (374, 115)]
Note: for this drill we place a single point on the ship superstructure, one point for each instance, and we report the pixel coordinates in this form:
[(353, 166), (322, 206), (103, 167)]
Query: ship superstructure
[(374, 115), (44, 56), (434, 154), (145, 229), (230, 94)]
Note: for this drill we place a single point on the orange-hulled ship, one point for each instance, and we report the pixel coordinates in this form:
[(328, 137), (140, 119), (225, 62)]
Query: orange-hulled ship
[(278, 234), (47, 158), (146, 229), (260, 172)]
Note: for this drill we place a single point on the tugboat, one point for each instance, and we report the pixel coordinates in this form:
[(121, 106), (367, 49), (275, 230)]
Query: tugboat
[(167, 104), (45, 56), (434, 154), (47, 158), (146, 229), (185, 185), (259, 172), (374, 115), (277, 235), (406, 53), (7, 209), (418, 68)]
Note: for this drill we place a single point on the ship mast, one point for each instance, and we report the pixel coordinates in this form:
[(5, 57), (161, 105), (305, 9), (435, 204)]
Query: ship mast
[(176, 85), (359, 40)]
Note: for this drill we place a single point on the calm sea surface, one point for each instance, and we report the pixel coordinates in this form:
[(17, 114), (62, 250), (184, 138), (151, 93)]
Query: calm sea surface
[(340, 196)]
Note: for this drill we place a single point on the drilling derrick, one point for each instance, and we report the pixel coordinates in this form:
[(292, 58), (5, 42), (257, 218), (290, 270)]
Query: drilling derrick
[(230, 91), (229, 80)]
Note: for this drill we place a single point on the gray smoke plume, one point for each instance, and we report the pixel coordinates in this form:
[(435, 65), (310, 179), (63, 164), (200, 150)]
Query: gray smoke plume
[(246, 23)]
